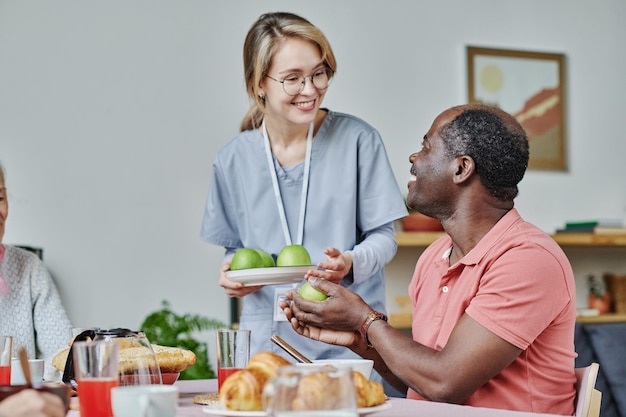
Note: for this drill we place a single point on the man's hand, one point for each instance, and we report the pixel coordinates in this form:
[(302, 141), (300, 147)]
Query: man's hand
[(334, 337), (329, 320)]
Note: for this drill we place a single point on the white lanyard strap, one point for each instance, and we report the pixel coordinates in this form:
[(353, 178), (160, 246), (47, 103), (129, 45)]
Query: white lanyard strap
[(305, 185)]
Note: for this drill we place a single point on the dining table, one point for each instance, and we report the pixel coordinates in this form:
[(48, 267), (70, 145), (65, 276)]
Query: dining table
[(394, 407)]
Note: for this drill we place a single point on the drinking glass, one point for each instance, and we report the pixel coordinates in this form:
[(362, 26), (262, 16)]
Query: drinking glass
[(96, 367), (36, 367), (138, 362), (311, 391), (233, 352), (6, 345)]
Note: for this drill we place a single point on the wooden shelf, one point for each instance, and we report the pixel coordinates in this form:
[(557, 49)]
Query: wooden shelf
[(404, 321), (401, 320), (603, 318), (589, 239), (417, 239)]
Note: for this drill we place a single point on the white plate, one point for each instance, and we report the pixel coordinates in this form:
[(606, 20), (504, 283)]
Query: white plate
[(219, 410), (375, 409), (269, 276)]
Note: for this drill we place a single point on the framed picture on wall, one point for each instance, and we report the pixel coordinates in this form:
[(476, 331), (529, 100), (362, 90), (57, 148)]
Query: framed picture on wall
[(530, 86)]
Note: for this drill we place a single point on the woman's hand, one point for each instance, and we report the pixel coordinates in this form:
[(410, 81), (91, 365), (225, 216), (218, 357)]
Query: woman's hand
[(31, 403), (234, 288), (337, 266)]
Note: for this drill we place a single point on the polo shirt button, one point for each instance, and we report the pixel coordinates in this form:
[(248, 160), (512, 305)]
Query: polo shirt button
[(445, 289)]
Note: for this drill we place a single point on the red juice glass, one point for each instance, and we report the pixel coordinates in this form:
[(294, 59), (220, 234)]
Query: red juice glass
[(96, 367), (6, 346), (233, 352)]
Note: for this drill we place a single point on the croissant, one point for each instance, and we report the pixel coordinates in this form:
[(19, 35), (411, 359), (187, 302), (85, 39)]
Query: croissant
[(267, 363), (243, 390), (368, 393), (310, 394)]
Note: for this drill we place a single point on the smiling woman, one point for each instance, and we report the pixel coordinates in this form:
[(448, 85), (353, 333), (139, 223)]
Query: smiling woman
[(324, 171)]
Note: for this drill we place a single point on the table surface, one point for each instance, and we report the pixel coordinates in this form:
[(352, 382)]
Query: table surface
[(399, 407)]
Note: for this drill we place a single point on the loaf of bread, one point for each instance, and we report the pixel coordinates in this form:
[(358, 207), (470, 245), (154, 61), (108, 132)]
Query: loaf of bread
[(171, 359), (243, 390)]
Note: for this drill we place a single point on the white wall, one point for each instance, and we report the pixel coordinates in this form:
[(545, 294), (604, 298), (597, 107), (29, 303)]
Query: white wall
[(111, 113)]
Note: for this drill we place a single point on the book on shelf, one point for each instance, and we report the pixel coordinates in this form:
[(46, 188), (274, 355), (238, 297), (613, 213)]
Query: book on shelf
[(607, 226), (609, 230), (587, 312)]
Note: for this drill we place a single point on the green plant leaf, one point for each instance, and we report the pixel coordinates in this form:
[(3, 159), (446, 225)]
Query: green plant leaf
[(166, 328)]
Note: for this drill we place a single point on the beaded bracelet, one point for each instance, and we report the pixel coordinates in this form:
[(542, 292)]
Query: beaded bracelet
[(372, 316)]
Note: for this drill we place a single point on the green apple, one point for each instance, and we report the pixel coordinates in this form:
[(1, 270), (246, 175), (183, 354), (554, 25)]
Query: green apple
[(246, 258), (266, 258), (307, 292), (293, 255)]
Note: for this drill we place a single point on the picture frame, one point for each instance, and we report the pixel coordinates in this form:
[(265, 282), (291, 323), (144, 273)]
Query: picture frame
[(531, 87)]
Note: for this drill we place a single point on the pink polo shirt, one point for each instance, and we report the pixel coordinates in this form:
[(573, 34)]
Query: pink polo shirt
[(518, 283)]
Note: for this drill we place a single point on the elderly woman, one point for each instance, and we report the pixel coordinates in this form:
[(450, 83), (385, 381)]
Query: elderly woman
[(30, 305)]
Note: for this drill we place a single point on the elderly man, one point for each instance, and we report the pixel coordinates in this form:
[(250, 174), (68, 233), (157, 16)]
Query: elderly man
[(494, 302)]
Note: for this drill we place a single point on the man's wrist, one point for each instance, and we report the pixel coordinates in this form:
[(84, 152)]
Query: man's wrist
[(372, 316)]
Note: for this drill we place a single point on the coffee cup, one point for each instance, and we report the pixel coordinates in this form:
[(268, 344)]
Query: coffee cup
[(36, 371), (144, 400)]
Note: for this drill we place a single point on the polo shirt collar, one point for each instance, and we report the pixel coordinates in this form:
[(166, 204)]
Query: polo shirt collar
[(511, 218)]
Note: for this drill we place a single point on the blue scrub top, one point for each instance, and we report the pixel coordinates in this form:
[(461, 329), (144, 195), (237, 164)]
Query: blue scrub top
[(352, 192)]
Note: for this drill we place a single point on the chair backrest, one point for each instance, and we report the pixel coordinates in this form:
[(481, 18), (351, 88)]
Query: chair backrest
[(37, 251), (587, 397)]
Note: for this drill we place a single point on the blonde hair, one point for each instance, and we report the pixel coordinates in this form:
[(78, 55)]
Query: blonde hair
[(262, 42)]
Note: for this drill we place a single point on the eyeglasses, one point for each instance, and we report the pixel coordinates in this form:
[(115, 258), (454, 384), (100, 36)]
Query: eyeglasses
[(293, 84)]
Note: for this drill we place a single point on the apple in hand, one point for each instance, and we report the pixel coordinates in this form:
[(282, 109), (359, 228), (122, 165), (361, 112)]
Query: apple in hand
[(307, 292)]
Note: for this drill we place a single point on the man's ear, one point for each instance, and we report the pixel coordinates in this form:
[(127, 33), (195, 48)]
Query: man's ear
[(464, 168)]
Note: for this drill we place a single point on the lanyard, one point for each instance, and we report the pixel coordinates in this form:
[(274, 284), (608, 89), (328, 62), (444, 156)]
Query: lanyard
[(305, 185)]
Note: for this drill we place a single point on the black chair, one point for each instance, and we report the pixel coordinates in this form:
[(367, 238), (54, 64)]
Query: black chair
[(33, 249)]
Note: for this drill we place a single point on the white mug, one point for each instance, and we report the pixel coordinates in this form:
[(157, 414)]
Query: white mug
[(144, 400), (36, 371)]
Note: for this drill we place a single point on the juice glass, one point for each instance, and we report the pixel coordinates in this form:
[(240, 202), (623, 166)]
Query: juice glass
[(96, 367), (6, 344), (233, 352)]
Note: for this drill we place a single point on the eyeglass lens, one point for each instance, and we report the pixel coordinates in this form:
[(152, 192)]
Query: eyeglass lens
[(294, 84)]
